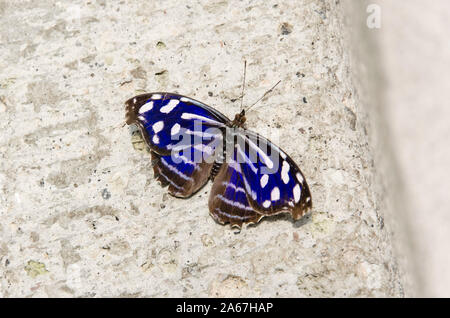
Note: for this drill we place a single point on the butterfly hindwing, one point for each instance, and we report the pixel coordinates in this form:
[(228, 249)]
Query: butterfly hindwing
[(228, 201), (183, 178)]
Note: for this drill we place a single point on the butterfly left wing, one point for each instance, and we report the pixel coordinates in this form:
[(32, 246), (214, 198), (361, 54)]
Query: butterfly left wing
[(165, 117), (178, 131)]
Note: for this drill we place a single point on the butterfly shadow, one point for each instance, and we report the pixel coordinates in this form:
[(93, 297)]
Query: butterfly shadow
[(287, 218)]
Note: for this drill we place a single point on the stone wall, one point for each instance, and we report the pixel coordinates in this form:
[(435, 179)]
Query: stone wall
[(81, 214)]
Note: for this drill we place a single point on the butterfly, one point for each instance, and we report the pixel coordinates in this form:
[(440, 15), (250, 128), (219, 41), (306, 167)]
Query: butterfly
[(191, 143)]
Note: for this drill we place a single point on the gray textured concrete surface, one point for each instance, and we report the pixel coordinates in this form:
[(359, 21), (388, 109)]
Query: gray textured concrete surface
[(81, 214), (367, 65)]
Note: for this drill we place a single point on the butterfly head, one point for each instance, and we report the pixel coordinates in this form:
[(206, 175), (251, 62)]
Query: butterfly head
[(239, 119)]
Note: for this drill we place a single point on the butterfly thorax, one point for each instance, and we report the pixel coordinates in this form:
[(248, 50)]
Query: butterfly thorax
[(239, 120)]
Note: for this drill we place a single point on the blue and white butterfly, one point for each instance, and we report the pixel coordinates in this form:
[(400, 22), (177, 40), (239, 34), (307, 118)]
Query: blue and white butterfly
[(252, 177)]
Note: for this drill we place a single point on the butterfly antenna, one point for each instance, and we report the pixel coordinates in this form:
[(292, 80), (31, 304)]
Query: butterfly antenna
[(243, 83), (121, 125), (267, 92)]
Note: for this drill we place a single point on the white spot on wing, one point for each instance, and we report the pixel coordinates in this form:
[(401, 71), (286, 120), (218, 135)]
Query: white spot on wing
[(285, 172), (246, 159), (156, 96), (266, 204), (158, 126), (266, 159), (299, 177), (146, 107), (264, 180), (201, 134), (175, 129), (230, 185), (195, 116), (234, 203), (204, 148), (185, 99), (177, 157), (170, 106), (155, 139), (236, 217), (297, 193), (275, 194), (175, 170), (168, 179)]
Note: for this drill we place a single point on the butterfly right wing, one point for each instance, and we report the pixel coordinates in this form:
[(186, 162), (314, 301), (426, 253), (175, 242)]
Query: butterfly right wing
[(273, 181), (258, 179), (183, 135)]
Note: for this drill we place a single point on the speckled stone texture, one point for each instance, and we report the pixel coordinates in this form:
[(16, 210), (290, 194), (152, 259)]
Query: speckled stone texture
[(80, 211)]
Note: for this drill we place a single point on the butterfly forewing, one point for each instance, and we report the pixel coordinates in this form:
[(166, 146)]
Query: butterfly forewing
[(164, 117), (183, 135)]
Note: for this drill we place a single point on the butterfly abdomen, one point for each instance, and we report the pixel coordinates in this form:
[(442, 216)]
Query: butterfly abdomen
[(228, 141), (215, 169), (218, 164)]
